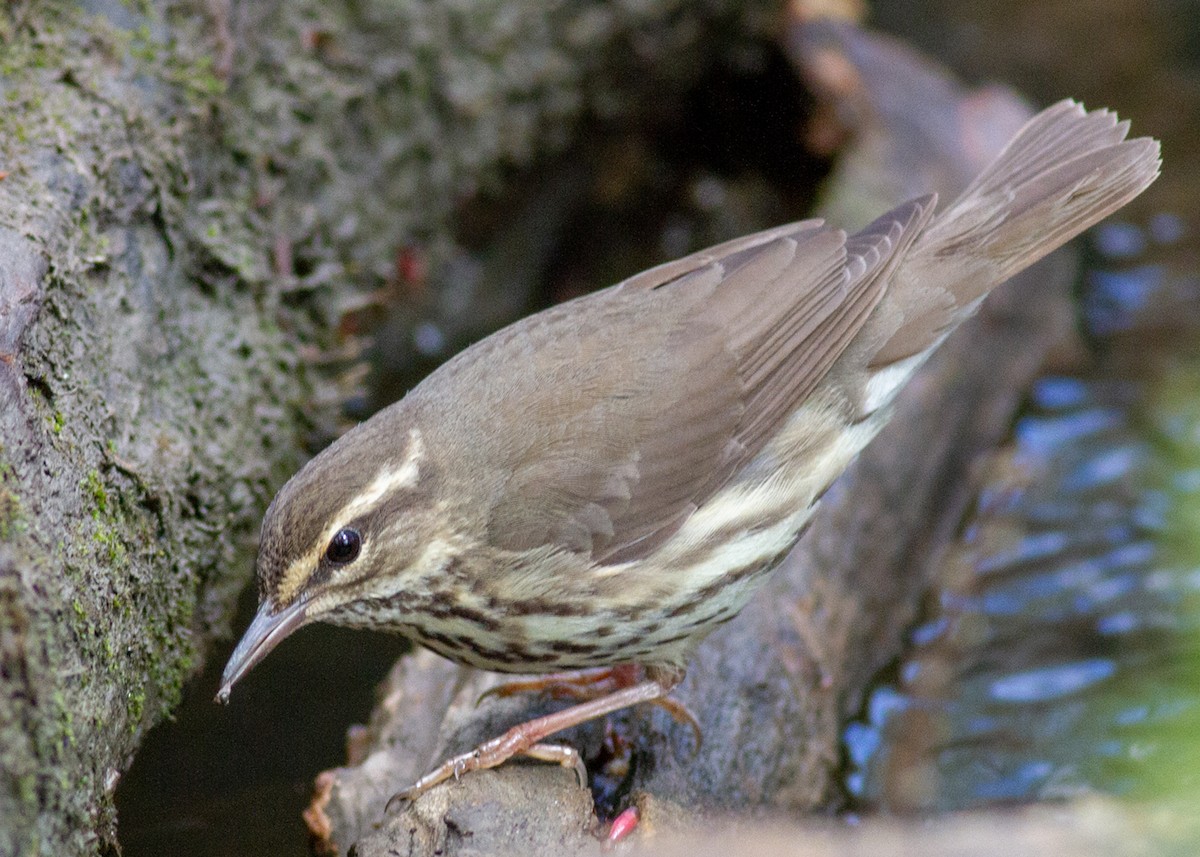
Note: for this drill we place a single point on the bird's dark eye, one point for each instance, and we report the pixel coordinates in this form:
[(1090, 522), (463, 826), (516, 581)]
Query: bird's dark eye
[(344, 546)]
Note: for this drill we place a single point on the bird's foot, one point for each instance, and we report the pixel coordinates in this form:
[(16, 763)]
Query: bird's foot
[(488, 755), (583, 685), (525, 739)]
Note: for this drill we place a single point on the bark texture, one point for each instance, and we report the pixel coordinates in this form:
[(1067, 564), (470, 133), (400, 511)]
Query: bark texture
[(191, 198), (145, 410)]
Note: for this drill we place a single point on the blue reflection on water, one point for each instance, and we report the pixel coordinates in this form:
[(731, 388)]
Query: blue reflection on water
[(1116, 298), (1117, 239), (1059, 393), (884, 703), (1016, 786), (1103, 468), (1124, 622), (1033, 547), (1133, 715), (1043, 435), (925, 634), (1053, 682), (1050, 663), (861, 742), (1167, 228)]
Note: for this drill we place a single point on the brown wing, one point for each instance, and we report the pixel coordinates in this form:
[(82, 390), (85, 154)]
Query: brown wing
[(640, 401)]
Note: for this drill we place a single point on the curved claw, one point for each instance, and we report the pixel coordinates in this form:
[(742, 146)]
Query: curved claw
[(396, 801), (455, 767), (561, 754), (681, 715), (502, 690), (488, 755)]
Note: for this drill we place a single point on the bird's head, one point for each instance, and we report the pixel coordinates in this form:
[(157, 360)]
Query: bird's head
[(350, 533)]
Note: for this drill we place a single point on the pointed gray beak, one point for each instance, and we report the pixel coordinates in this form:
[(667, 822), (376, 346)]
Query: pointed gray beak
[(264, 634)]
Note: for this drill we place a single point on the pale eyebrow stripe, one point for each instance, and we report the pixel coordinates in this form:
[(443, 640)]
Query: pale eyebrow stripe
[(388, 479)]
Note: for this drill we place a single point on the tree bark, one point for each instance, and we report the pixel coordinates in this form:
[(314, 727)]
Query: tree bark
[(129, 363), (191, 198)]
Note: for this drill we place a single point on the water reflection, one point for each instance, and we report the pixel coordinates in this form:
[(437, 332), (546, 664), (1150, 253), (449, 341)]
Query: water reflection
[(1061, 650)]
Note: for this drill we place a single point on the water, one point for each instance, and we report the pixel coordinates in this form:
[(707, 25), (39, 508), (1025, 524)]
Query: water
[(1062, 647)]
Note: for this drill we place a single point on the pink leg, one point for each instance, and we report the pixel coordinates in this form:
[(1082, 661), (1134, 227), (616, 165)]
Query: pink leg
[(574, 684), (596, 684), (524, 738)]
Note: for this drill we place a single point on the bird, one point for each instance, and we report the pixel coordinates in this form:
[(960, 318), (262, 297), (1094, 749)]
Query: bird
[(590, 491)]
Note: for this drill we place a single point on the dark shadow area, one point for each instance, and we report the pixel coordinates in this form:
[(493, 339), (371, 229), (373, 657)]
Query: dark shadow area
[(232, 780)]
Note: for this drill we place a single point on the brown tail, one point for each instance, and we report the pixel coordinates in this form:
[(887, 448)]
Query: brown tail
[(1064, 171)]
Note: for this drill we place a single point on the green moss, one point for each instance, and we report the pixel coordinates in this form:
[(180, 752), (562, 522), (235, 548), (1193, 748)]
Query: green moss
[(141, 7), (200, 84), (142, 45), (112, 545), (12, 516), (120, 554), (93, 486), (95, 489), (137, 707), (66, 718), (27, 789), (22, 54)]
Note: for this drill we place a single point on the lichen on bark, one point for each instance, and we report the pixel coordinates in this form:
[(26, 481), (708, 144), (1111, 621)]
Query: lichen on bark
[(131, 477)]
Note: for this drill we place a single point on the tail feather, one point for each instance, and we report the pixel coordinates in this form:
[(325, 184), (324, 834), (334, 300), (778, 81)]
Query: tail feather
[(1064, 171), (1067, 200), (1058, 134)]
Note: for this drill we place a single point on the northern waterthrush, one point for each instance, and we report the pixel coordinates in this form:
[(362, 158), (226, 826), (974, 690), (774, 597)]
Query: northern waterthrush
[(603, 483)]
